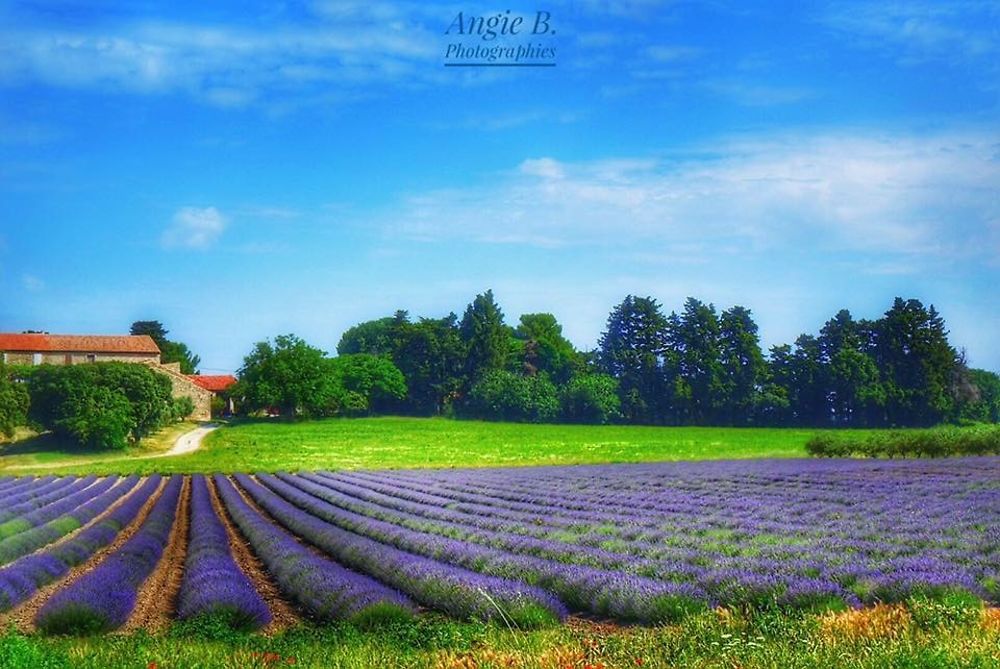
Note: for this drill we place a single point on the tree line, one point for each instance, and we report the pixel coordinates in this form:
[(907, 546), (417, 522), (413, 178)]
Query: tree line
[(693, 367)]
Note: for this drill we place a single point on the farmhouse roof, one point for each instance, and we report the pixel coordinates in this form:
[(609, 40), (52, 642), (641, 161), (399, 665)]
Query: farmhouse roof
[(46, 343), (216, 383)]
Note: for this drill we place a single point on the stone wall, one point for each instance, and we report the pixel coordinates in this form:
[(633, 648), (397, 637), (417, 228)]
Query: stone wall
[(73, 358), (182, 386)]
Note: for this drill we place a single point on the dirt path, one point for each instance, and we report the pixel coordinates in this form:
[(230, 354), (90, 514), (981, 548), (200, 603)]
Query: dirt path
[(282, 613), (23, 615), (187, 443), (156, 599)]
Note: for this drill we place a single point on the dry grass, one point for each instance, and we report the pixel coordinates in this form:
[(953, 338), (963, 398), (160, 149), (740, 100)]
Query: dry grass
[(991, 619), (882, 621)]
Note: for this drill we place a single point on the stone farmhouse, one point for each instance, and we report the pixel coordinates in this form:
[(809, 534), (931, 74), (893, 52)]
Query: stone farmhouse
[(48, 349)]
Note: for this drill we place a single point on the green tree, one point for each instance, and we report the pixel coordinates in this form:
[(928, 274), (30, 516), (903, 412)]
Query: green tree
[(372, 337), (147, 392), (983, 404), (630, 350), (429, 352), (853, 389), (153, 329), (797, 390), (695, 338), (170, 351), (486, 337), (289, 375), (545, 349), (916, 363), (743, 367), (96, 416), (370, 383), (13, 402), (431, 355), (590, 398)]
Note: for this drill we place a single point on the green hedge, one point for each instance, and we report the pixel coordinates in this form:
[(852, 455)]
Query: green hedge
[(932, 443)]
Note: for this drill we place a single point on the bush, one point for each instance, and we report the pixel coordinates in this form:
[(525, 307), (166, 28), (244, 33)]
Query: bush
[(97, 416), (502, 395), (13, 402), (183, 406), (103, 405), (932, 443), (829, 446), (591, 398)]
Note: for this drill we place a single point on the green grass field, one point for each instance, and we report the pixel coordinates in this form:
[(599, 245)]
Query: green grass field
[(391, 442), (32, 453)]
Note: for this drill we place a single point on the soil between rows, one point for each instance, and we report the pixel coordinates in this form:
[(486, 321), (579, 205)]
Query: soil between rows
[(156, 600)]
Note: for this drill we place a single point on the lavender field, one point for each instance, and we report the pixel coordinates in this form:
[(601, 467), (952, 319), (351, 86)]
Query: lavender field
[(644, 544)]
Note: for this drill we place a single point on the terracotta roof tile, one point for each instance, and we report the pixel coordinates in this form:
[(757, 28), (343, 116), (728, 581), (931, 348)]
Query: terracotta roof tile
[(216, 384), (46, 343)]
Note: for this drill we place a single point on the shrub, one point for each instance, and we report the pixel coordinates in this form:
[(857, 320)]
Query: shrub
[(502, 395), (104, 405), (829, 446), (591, 398), (13, 403), (931, 443), (183, 406)]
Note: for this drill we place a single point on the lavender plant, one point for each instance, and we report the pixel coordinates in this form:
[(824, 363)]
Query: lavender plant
[(22, 578), (103, 599), (323, 588), (454, 590), (213, 585), (65, 516)]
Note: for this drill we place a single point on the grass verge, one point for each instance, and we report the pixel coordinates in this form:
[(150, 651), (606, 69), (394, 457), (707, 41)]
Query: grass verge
[(393, 442), (47, 454), (875, 638)]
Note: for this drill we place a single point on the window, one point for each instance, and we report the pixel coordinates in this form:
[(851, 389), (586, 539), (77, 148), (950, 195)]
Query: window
[(91, 357)]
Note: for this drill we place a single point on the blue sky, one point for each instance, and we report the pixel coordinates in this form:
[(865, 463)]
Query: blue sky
[(241, 170)]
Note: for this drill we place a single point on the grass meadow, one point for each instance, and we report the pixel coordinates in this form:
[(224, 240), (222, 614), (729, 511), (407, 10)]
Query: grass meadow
[(394, 442)]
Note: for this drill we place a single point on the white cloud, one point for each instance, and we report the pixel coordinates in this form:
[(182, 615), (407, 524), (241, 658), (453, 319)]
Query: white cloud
[(927, 196), (226, 66), (194, 228), (956, 31)]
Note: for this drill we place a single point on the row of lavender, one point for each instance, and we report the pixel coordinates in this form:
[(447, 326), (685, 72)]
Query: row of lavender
[(786, 532), (102, 595), (645, 543)]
